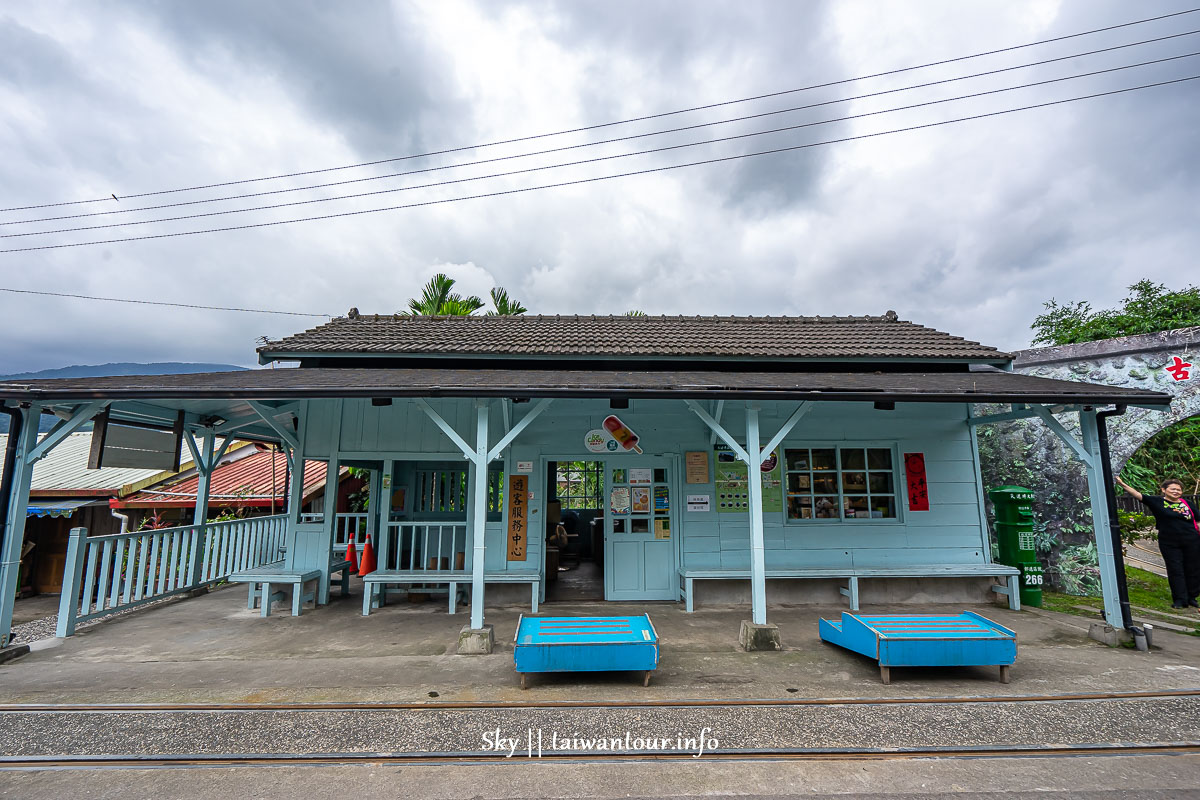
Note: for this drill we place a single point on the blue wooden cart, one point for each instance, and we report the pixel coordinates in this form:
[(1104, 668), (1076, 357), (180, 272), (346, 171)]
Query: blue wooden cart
[(958, 640), (586, 644)]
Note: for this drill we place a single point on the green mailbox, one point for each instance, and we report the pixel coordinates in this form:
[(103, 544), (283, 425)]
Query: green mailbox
[(1015, 536)]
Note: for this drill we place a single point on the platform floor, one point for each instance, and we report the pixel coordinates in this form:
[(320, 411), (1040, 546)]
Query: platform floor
[(212, 649)]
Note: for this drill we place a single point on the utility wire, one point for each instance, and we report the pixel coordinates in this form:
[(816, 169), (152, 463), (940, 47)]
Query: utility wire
[(161, 303), (601, 141), (617, 122), (591, 160), (580, 181)]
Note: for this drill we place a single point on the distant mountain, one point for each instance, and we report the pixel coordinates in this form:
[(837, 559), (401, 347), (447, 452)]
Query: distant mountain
[(102, 370), (125, 368)]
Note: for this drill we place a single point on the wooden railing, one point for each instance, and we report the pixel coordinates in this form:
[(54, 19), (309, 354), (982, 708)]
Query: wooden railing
[(111, 573), (435, 546)]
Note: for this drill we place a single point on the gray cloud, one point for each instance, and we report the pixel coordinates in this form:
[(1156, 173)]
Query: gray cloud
[(968, 227)]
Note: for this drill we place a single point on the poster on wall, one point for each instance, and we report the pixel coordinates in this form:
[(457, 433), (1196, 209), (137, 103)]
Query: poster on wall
[(918, 487), (614, 436), (695, 464), (639, 475), (733, 494), (662, 499), (641, 499), (518, 517), (618, 500)]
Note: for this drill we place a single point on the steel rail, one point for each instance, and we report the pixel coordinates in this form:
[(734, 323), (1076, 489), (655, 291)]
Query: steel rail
[(183, 761), (66, 708)]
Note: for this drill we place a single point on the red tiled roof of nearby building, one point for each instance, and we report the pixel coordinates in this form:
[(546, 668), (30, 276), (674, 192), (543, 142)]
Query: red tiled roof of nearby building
[(883, 337), (247, 482)]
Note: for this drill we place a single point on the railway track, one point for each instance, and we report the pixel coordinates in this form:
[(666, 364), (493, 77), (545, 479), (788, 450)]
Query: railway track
[(237, 735)]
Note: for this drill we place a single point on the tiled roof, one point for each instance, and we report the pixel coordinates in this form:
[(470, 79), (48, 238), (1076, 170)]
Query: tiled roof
[(865, 384), (670, 337), (248, 481)]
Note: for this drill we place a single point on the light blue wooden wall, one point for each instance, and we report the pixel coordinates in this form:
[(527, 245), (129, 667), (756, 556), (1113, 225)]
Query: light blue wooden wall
[(951, 532)]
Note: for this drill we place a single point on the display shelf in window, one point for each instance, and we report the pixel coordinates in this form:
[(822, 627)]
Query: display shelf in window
[(840, 483)]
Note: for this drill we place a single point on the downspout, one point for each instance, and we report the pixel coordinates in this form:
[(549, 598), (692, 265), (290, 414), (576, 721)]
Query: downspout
[(1114, 524), (123, 517)]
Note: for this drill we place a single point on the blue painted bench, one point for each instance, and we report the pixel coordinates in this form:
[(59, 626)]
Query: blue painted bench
[(375, 583), (261, 579), (1010, 575), (585, 644), (956, 640)]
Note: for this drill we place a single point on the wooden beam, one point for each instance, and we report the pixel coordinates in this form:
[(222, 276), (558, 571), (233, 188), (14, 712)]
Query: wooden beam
[(796, 416), (718, 430), (1064, 434), (267, 413), (467, 451), (62, 430), (529, 417)]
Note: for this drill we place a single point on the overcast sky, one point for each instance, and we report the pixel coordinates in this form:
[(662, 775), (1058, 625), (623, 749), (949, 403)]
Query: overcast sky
[(966, 227)]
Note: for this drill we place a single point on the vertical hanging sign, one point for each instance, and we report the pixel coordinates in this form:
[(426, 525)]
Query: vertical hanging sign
[(918, 488), (518, 516)]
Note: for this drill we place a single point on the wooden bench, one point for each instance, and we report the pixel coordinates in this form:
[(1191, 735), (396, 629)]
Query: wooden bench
[(375, 584), (261, 579), (1010, 575)]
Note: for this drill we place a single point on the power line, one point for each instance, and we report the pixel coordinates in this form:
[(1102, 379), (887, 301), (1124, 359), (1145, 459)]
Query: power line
[(617, 122), (601, 141), (161, 303), (597, 159), (580, 181)]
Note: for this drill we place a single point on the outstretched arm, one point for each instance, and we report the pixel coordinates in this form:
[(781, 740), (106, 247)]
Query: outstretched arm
[(1134, 493)]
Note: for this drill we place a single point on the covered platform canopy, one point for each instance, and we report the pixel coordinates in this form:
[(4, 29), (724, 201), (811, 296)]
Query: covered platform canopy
[(707, 364)]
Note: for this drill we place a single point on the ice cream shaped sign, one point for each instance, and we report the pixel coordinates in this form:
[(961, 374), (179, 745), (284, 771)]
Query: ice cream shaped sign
[(614, 437)]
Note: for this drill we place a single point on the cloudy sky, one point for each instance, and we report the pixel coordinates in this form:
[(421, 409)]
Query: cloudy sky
[(967, 227)]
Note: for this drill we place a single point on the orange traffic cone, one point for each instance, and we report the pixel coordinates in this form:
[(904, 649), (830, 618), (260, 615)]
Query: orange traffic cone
[(351, 555), (366, 564)]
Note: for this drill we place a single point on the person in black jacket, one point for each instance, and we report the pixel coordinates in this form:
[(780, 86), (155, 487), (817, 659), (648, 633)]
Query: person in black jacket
[(1178, 539)]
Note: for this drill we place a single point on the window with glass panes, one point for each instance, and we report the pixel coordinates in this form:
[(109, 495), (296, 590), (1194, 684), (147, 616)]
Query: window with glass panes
[(580, 484), (440, 491), (840, 483)]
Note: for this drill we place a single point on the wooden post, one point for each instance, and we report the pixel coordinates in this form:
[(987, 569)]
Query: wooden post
[(479, 466), (68, 601), (758, 579), (204, 469), (14, 529)]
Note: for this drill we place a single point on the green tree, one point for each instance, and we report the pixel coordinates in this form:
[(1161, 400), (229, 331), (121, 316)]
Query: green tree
[(438, 298), (505, 305), (1150, 307), (1171, 453)]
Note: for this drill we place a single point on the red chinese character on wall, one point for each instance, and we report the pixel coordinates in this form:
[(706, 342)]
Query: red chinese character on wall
[(1178, 368)]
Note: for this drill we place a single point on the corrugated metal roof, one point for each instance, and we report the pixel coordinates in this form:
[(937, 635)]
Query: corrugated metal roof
[(882, 337), (246, 482), (64, 471)]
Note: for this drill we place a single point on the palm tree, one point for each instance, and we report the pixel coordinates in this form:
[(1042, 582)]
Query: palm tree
[(505, 305), (438, 298)]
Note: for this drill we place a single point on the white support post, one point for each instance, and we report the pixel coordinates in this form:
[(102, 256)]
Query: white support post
[(1098, 491), (479, 467), (203, 456), (332, 470), (68, 600), (14, 529), (758, 579)]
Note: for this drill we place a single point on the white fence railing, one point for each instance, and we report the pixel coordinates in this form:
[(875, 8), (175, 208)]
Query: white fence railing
[(344, 524), (111, 573), (435, 546)]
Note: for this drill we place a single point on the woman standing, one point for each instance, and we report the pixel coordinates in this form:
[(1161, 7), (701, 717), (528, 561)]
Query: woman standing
[(1178, 539)]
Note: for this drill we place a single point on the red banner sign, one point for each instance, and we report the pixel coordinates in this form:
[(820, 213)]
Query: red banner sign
[(918, 489)]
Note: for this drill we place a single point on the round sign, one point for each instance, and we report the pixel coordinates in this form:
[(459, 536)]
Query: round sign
[(598, 441)]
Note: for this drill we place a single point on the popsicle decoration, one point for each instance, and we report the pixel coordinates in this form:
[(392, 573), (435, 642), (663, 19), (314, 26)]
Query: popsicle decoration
[(624, 436)]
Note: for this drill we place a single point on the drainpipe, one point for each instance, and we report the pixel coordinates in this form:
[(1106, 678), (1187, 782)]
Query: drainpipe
[(1114, 524), (123, 517)]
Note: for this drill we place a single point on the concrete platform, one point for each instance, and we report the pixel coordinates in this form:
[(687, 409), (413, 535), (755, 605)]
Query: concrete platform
[(212, 649)]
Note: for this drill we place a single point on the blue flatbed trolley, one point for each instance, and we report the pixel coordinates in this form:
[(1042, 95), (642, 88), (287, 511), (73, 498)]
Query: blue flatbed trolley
[(956, 640), (586, 644)]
